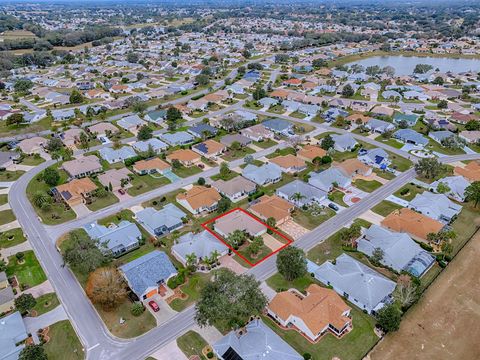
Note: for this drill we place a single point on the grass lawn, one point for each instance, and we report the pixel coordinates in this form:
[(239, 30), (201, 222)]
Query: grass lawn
[(45, 303), (281, 152), (367, 186), (384, 174), (264, 252), (309, 221), (298, 115), (3, 199), (434, 146), (32, 160), (352, 346), (399, 163), (465, 226), (6, 216), (125, 214), (337, 197), (342, 156), (10, 175), (232, 174), (413, 190), (144, 183), (278, 283), (29, 272), (385, 208), (265, 144), (132, 327), (101, 202), (184, 171), (192, 344), (231, 155), (192, 288), (445, 170), (276, 109), (64, 343), (392, 142), (11, 238)]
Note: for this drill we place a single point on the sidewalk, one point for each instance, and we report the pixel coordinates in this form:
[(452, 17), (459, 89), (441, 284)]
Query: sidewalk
[(7, 252)]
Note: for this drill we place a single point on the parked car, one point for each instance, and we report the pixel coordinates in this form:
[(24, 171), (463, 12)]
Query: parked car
[(121, 191), (154, 306), (333, 206)]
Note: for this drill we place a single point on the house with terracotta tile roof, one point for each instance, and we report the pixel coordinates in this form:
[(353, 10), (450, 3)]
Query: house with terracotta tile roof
[(151, 166), (322, 310), (209, 148), (471, 171), (413, 223), (199, 199), (272, 207), (289, 163), (75, 192), (186, 157), (353, 167), (310, 152)]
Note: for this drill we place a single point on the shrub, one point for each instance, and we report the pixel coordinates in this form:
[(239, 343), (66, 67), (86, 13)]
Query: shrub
[(307, 356), (404, 191), (210, 355), (137, 309), (176, 281)]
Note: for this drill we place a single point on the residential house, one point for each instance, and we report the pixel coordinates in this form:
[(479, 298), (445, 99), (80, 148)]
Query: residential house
[(151, 166), (455, 187), (333, 113), (310, 152), (471, 171), (440, 136), (268, 102), (272, 207), (33, 145), (228, 140), (381, 110), (163, 221), (320, 311), (238, 220), (156, 116), (289, 163), (113, 156), (409, 136), (376, 157), (63, 114), (115, 178), (199, 199), (344, 142), (131, 123), (153, 144), (471, 137), (209, 148), (103, 129), (185, 157), (361, 285), (82, 166), (409, 119), (399, 251), (202, 131), (353, 167), (327, 179), (8, 158), (71, 137), (263, 175), (436, 206), (257, 133), (148, 274), (279, 126), (178, 138), (75, 192), (255, 341), (116, 239), (379, 126), (235, 189), (462, 118), (301, 194), (13, 334), (413, 223), (7, 297), (203, 245)]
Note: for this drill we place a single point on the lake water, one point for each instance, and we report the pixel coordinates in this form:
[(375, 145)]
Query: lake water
[(404, 65)]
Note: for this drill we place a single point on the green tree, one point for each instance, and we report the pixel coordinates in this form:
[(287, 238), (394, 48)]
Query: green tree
[(389, 317), (327, 142), (223, 205), (202, 79), (224, 170), (15, 119), (76, 97), (41, 199), (33, 352), (139, 106), (84, 140), (472, 125), (25, 302), (291, 263), (201, 181), (137, 308), (237, 238), (23, 85), (429, 168), (83, 254), (348, 91), (54, 144), (144, 133), (106, 287), (438, 80), (442, 104), (229, 299), (443, 188), (51, 176), (472, 192), (259, 93), (377, 255)]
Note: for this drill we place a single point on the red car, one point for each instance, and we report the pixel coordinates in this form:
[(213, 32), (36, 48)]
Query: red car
[(121, 191), (153, 305)]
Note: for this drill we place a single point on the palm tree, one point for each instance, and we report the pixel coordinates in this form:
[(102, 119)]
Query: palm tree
[(214, 256), (191, 260), (296, 197)]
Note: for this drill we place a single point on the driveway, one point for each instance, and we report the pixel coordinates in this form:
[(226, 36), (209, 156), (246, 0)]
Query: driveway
[(372, 217), (169, 351), (81, 210), (294, 230), (164, 314), (121, 197), (228, 262), (271, 242), (353, 195), (268, 291), (33, 324)]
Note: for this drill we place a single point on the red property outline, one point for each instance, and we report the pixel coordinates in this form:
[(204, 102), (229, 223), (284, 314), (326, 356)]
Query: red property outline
[(205, 226)]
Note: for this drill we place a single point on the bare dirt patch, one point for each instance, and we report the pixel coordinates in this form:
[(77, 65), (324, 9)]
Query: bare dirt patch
[(444, 323)]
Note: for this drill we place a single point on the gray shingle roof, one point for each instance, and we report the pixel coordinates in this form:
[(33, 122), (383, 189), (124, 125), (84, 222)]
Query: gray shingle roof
[(310, 193), (169, 216), (125, 234), (202, 245), (12, 331)]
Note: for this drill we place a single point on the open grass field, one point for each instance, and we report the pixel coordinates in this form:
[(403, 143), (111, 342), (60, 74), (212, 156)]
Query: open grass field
[(63, 343), (444, 323)]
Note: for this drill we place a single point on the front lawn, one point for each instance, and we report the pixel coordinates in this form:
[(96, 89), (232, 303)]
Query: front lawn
[(310, 219), (192, 289), (265, 144), (231, 175), (385, 208), (6, 216), (11, 238), (436, 147), (399, 163), (384, 174), (192, 344), (32, 160), (278, 283), (392, 142), (281, 152), (64, 343), (184, 171), (28, 272), (45, 303), (143, 183), (276, 109), (337, 197), (367, 186), (6, 175), (101, 202), (409, 191), (298, 115), (3, 199), (231, 155), (352, 346)]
